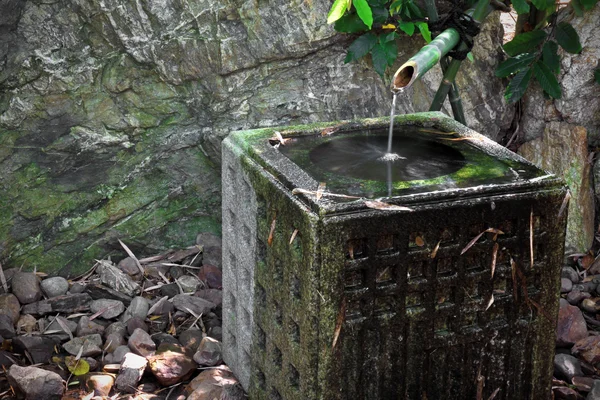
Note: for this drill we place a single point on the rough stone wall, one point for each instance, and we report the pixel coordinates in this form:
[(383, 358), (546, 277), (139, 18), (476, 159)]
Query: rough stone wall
[(559, 133), (112, 111)]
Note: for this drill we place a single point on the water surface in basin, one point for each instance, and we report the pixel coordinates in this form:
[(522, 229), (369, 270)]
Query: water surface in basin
[(350, 163)]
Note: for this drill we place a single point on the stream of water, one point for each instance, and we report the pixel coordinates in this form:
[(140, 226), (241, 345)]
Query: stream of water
[(389, 156)]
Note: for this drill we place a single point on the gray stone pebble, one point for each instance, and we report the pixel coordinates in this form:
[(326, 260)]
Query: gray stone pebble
[(565, 285), (26, 286), (570, 273), (55, 286), (114, 308), (138, 308)]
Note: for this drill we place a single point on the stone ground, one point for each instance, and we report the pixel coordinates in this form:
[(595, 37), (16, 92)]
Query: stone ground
[(138, 329)]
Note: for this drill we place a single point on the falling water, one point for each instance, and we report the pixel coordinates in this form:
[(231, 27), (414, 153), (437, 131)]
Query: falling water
[(389, 156)]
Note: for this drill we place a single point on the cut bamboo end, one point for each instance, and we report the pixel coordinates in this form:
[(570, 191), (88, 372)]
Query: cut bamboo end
[(405, 76)]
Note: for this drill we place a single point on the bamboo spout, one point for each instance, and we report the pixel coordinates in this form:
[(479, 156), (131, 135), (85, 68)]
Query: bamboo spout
[(425, 59)]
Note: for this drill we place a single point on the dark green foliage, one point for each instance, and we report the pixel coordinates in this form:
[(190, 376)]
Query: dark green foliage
[(521, 6), (515, 64), (350, 23), (546, 79), (361, 47), (550, 56), (597, 75), (518, 85), (567, 37), (524, 42)]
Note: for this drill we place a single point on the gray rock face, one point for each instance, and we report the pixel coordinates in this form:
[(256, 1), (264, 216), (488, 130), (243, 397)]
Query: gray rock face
[(7, 328), (567, 366), (138, 308), (192, 304), (9, 304), (132, 369), (40, 348), (26, 286), (113, 308), (55, 286), (103, 103), (92, 345), (69, 303), (209, 352), (36, 383), (116, 279), (141, 343)]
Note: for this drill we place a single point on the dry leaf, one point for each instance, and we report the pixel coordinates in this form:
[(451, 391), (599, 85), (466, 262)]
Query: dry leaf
[(293, 236), (64, 327), (419, 241), (480, 384), (339, 323), (330, 131), (435, 250), (3, 279), (531, 238), (130, 254), (493, 396), (476, 238), (490, 302), (298, 191), (380, 205), (320, 190), (460, 139), (272, 232), (494, 257), (278, 139), (564, 204)]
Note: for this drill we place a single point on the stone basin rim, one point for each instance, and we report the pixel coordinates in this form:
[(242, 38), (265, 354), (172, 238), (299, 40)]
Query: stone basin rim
[(255, 143)]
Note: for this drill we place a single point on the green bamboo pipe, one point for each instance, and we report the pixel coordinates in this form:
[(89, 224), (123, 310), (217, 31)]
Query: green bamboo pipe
[(425, 59), (432, 53)]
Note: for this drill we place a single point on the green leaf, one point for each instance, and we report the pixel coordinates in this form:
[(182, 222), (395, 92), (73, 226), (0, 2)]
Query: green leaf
[(424, 29), (414, 9), (77, 367), (388, 37), (542, 4), (546, 79), (597, 75), (337, 10), (470, 57), (517, 86), (380, 15), (407, 27), (396, 6), (377, 3), (361, 47), (383, 55), (521, 6), (514, 64), (364, 12), (588, 4), (524, 42), (577, 7), (550, 56), (567, 37), (350, 23)]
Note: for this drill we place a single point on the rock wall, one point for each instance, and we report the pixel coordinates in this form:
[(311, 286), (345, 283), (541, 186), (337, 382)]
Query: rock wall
[(112, 112), (559, 133)]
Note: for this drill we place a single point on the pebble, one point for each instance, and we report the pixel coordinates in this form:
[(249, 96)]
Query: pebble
[(116, 279), (130, 373), (86, 327), (118, 328), (190, 339), (176, 272), (138, 308), (129, 266), (196, 305), (7, 328), (567, 366), (26, 324), (77, 288), (215, 296), (588, 349), (136, 323), (101, 384), (99, 292), (170, 364), (36, 383), (594, 394), (55, 325), (113, 341), (212, 248), (216, 332), (67, 304), (583, 383), (92, 345), (9, 304), (169, 290), (209, 353), (141, 343), (209, 383), (112, 308), (570, 273), (119, 354), (576, 296), (40, 348), (162, 338), (565, 285), (26, 286), (591, 305), (55, 286), (589, 286), (162, 307), (188, 283), (211, 276), (571, 325), (7, 359)]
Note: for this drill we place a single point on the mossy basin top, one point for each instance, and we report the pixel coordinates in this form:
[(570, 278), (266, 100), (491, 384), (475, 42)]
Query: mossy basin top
[(440, 159)]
